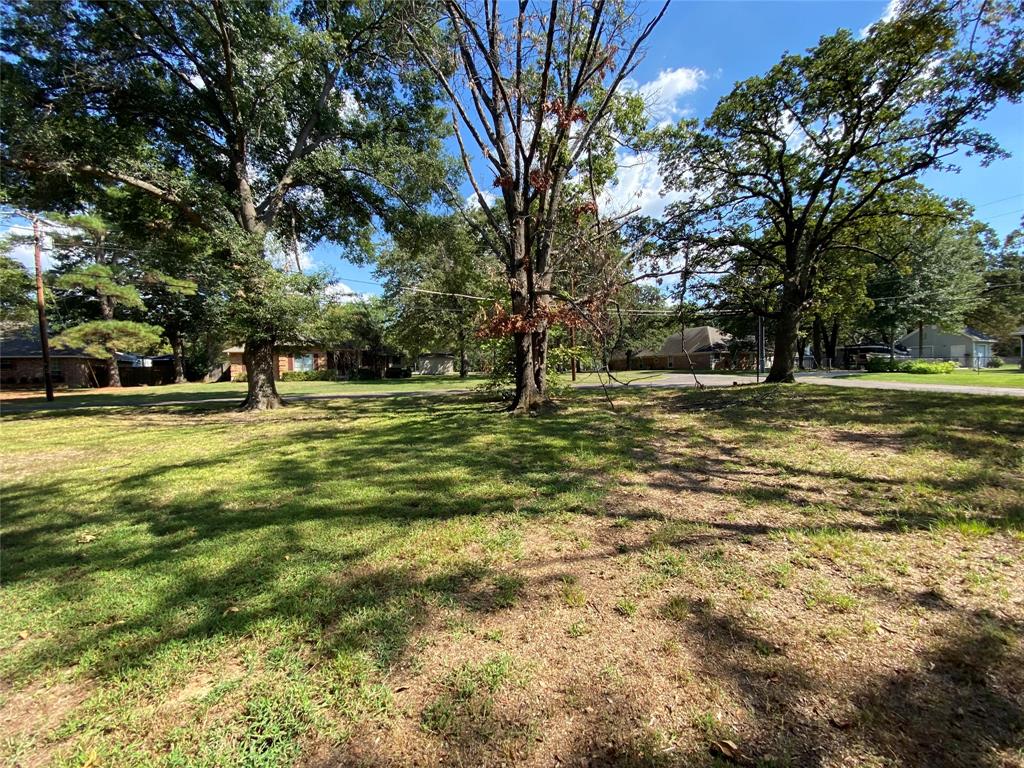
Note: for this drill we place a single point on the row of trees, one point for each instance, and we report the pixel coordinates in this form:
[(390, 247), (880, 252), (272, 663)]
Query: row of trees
[(805, 177), (213, 136)]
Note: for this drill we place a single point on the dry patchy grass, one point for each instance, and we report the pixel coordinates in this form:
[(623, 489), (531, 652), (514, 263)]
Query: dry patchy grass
[(818, 577)]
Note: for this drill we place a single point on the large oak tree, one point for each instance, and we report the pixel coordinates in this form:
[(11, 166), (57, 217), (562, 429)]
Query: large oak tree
[(253, 119), (791, 163)]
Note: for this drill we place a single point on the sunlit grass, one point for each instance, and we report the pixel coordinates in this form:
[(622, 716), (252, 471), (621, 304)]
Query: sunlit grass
[(225, 588)]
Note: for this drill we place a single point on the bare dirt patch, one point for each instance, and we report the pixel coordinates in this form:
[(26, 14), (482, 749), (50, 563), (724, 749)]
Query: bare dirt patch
[(28, 718)]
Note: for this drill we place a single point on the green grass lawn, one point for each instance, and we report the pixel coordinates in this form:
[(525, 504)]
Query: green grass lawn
[(399, 579), (216, 394), (986, 377), (199, 392)]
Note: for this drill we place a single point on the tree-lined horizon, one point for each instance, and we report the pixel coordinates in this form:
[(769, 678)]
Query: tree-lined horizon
[(218, 141)]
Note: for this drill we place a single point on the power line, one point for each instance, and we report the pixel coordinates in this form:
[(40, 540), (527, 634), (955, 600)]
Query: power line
[(1000, 200)]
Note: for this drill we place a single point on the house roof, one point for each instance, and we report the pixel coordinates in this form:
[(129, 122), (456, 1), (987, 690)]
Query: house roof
[(978, 335), (1019, 332), (970, 333), (700, 338), (25, 343)]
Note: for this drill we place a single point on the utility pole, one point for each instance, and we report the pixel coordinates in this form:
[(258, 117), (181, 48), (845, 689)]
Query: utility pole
[(44, 338)]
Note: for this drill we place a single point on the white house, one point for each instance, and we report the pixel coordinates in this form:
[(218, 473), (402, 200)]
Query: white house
[(969, 348)]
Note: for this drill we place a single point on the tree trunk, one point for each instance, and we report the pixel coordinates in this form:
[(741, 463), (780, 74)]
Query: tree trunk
[(801, 345), (787, 331), (540, 361), (178, 355), (115, 374), (259, 371), (463, 360), (920, 339), (527, 395), (817, 331), (831, 340)]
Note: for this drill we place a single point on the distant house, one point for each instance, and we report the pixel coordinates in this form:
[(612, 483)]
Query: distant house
[(344, 361), (21, 365), (436, 364), (969, 347), (704, 347)]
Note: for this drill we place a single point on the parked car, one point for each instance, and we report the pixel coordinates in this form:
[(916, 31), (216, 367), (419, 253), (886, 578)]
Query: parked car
[(857, 355)]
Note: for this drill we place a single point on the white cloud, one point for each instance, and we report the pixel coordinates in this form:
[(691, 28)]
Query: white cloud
[(892, 9), (638, 187), (664, 93), (340, 293), (350, 108), (473, 203)]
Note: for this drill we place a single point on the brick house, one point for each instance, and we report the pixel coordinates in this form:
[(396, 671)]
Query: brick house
[(21, 364), (310, 358)]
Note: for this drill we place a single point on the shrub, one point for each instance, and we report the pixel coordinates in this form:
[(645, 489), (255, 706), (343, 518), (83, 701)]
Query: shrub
[(927, 366), (885, 365), (325, 375), (881, 364), (994, 362)]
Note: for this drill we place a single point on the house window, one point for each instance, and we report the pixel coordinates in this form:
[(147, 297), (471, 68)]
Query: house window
[(6, 364), (303, 363)]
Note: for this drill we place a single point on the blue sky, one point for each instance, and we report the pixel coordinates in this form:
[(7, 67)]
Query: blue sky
[(701, 49)]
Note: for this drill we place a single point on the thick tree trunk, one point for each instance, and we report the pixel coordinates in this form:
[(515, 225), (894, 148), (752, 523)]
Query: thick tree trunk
[(115, 374), (527, 397), (787, 332), (260, 372), (463, 360), (178, 355)]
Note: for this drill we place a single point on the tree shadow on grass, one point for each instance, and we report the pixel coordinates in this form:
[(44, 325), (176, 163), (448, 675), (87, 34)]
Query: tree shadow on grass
[(320, 493), (322, 543), (988, 431)]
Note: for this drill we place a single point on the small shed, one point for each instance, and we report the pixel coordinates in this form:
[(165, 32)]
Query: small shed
[(436, 364)]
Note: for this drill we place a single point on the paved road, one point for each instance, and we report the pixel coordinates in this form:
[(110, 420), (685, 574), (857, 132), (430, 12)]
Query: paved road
[(826, 379), (845, 380)]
